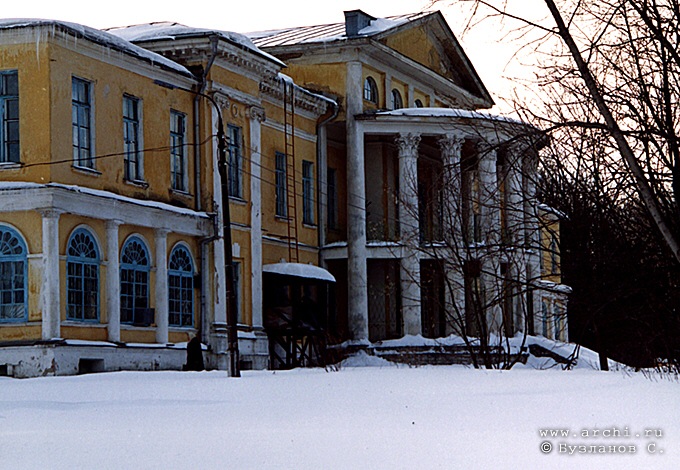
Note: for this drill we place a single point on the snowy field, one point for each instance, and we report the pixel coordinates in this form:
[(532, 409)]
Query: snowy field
[(388, 417)]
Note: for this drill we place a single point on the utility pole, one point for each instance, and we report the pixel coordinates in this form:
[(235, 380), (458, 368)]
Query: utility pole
[(232, 329)]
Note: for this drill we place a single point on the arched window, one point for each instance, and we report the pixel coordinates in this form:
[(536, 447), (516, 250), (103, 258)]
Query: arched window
[(134, 282), (181, 287), (82, 277), (370, 90), (418, 103), (397, 102), (13, 276)]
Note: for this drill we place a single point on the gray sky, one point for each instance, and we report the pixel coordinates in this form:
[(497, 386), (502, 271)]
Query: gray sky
[(490, 52)]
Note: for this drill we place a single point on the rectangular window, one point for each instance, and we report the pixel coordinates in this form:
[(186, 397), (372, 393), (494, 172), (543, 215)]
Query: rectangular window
[(332, 197), (307, 192), (237, 291), (281, 207), (131, 139), (235, 162), (554, 261), (178, 164), (9, 114), (81, 114)]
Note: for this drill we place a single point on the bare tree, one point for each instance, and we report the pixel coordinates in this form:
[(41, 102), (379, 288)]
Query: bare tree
[(614, 66)]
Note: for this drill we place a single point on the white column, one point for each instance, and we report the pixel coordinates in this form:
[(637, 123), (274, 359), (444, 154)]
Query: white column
[(51, 288), (113, 280), (489, 194), (256, 118), (357, 273), (515, 196), (451, 146), (161, 293), (532, 232), (410, 232), (490, 214)]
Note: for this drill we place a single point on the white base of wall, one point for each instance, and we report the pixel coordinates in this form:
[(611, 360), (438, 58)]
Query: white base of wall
[(254, 350), (68, 358), (60, 358)]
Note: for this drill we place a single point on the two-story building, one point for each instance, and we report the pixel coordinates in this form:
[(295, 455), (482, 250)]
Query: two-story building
[(356, 153)]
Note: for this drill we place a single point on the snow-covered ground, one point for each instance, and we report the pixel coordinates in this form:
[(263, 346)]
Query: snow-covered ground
[(377, 417)]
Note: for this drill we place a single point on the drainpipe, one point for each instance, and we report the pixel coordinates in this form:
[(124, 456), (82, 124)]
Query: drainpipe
[(197, 124), (322, 175)]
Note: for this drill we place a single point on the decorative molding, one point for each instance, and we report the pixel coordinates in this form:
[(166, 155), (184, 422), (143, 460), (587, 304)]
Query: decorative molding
[(408, 144), (304, 99), (451, 145), (256, 113)]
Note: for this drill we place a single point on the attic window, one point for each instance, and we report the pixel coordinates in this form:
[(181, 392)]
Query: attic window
[(370, 90), (397, 102), (418, 104)]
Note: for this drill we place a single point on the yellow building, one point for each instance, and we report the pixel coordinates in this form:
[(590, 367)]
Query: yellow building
[(366, 165), (111, 249)]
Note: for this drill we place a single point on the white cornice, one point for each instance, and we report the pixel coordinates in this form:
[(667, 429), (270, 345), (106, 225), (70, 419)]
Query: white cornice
[(103, 205)]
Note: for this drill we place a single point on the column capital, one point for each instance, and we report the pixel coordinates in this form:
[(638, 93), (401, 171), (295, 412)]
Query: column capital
[(113, 224), (161, 232), (408, 144), (221, 99), (451, 144), (256, 113), (50, 213)]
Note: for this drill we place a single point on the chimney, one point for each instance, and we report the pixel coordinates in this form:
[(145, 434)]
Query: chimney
[(355, 21)]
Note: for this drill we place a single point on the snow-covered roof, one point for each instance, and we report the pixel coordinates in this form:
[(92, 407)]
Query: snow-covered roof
[(169, 30), (448, 112), (551, 210), (17, 185), (103, 38), (327, 32), (554, 287), (307, 271)]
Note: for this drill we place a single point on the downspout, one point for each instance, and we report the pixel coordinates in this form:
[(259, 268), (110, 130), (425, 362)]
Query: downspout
[(197, 125), (322, 176)]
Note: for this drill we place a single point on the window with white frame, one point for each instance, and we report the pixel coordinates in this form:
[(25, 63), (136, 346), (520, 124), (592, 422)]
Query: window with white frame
[(13, 276), (181, 288), (370, 90), (134, 280), (178, 163), (280, 174), (81, 114), (132, 139), (307, 192), (235, 162), (9, 114), (82, 277)]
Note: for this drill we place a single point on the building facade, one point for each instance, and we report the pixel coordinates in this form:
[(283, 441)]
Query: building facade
[(357, 148)]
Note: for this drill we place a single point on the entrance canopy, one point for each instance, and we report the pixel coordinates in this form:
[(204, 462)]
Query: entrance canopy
[(305, 271)]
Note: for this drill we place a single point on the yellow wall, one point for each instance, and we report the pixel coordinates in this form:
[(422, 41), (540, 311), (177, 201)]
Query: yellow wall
[(415, 44), (109, 84)]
